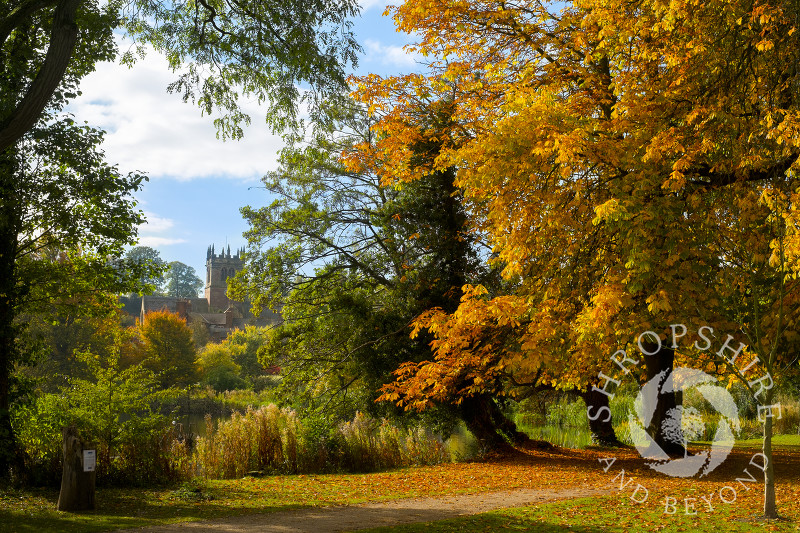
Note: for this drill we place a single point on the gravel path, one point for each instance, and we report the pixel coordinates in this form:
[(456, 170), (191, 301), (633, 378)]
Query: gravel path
[(354, 517)]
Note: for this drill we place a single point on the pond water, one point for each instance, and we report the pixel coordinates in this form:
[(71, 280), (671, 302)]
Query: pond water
[(566, 437), (196, 423), (461, 443)]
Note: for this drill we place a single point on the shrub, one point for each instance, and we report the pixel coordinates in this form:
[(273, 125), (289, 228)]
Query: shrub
[(116, 411), (218, 369)]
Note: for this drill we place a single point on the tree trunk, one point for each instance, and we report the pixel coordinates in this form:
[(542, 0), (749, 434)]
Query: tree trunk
[(770, 506), (488, 424), (63, 37), (77, 486), (663, 361), (9, 307), (598, 413)]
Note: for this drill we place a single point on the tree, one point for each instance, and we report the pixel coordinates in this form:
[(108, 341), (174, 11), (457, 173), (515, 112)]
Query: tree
[(244, 345), (115, 406), (218, 369), (89, 324), (55, 189), (634, 166), (167, 349), (64, 215), (264, 50), (350, 262), (182, 281), (150, 262)]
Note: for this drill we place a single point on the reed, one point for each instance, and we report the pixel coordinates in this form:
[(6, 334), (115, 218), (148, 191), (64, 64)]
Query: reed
[(271, 440)]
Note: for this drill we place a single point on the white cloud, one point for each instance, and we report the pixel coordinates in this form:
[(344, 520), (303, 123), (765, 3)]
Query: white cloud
[(157, 133), (389, 55), (152, 232), (156, 224), (155, 242)]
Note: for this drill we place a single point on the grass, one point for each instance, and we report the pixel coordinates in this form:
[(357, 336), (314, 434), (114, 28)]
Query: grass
[(786, 441), (34, 511), (592, 515)]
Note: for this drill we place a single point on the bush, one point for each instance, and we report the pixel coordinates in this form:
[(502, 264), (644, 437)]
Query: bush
[(218, 369), (116, 411)]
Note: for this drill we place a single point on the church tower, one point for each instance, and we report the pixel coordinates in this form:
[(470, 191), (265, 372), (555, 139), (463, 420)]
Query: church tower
[(220, 267)]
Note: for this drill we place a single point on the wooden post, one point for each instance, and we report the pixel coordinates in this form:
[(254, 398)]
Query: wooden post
[(77, 484)]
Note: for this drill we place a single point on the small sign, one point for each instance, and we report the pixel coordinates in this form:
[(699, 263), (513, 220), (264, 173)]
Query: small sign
[(89, 460)]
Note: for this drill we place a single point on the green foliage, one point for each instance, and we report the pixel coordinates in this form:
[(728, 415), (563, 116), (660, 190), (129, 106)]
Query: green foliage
[(349, 263), (274, 440), (64, 212), (233, 363), (200, 334), (90, 324), (38, 425), (244, 345), (182, 281), (64, 216), (150, 265), (218, 369), (115, 409), (567, 414), (261, 50)]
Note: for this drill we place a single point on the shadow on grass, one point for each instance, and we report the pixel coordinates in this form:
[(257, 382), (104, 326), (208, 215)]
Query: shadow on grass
[(486, 522), (116, 509)]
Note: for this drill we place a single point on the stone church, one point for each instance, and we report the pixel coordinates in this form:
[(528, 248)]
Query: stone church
[(218, 269), (215, 310)]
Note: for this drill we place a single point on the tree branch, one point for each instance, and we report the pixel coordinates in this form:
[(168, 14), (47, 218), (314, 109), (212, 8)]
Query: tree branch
[(63, 37), (718, 179), (17, 16)]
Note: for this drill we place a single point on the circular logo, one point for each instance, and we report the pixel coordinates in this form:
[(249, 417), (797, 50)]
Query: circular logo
[(681, 425)]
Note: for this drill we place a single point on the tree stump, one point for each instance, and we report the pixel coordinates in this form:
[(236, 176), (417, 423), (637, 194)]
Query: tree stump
[(77, 486)]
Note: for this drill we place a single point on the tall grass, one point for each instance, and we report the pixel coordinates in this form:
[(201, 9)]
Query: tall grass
[(270, 440)]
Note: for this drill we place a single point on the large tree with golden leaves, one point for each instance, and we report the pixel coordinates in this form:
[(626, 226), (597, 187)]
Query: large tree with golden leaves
[(634, 165)]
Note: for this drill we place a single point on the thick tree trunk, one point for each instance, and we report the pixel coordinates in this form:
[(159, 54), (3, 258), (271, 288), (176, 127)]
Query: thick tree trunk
[(598, 413), (663, 361), (77, 485), (488, 424)]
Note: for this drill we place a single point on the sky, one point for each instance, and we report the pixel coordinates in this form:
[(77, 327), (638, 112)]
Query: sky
[(198, 183)]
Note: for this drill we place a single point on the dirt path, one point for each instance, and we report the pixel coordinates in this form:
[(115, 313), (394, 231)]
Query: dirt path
[(350, 518)]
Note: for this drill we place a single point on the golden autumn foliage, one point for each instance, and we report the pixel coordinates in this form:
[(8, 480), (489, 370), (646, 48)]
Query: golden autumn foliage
[(633, 165), (618, 156), (167, 349)]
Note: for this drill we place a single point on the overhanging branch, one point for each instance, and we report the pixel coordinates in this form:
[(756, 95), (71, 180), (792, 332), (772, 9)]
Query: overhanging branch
[(63, 37)]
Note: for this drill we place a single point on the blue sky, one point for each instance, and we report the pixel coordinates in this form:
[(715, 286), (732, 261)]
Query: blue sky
[(197, 182)]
